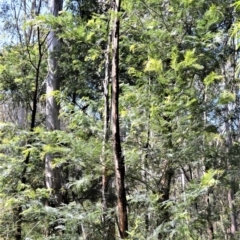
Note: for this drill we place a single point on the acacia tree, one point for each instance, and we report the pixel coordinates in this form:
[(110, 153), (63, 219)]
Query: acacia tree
[(178, 114), (22, 86)]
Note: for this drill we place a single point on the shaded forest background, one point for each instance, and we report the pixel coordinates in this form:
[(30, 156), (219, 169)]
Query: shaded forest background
[(119, 119)]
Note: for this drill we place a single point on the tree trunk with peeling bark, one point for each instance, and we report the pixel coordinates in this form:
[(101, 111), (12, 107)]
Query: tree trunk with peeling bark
[(117, 151)]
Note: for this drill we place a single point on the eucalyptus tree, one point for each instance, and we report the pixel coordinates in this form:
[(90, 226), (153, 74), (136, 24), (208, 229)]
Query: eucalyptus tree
[(53, 175)]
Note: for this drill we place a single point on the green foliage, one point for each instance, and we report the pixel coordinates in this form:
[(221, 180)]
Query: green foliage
[(226, 97), (153, 65), (178, 107), (208, 80)]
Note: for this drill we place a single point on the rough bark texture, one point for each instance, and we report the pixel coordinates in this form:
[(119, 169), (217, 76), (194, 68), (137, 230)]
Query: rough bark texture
[(117, 151), (53, 175), (106, 128), (107, 201)]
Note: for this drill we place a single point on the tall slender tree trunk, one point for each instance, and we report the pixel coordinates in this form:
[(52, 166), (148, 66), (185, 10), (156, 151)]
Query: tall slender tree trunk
[(229, 72), (106, 136), (53, 175), (117, 151), (230, 195), (108, 223)]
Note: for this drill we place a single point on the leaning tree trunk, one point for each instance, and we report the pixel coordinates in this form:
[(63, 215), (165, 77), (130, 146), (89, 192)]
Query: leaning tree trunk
[(117, 152), (53, 175)]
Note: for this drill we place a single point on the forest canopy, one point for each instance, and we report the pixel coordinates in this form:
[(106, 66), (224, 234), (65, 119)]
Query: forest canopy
[(119, 119)]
